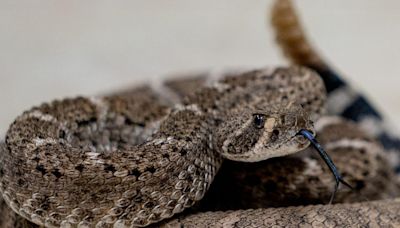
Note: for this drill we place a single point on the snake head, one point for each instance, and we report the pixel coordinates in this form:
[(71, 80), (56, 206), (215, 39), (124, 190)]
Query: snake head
[(256, 134)]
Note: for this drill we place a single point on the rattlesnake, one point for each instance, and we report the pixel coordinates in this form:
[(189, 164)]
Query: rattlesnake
[(139, 157)]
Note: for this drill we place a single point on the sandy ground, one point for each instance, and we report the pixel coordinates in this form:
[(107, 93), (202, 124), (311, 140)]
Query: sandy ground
[(52, 49)]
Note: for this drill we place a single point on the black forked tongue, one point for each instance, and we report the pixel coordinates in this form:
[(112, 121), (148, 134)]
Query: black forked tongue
[(338, 177)]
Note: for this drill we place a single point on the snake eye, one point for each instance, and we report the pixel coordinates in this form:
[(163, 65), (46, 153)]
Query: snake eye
[(259, 120)]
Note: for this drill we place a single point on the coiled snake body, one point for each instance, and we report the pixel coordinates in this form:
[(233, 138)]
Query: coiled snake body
[(139, 157)]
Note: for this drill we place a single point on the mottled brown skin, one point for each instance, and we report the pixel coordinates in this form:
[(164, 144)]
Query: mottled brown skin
[(275, 182), (9, 219), (283, 188), (371, 214), (111, 160), (303, 178), (105, 132)]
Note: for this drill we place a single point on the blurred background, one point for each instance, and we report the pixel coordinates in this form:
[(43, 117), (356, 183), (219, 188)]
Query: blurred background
[(52, 49)]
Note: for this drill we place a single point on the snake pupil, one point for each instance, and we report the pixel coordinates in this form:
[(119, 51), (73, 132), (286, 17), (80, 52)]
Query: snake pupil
[(259, 121)]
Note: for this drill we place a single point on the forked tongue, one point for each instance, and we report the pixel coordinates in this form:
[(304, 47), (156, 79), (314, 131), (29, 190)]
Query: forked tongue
[(328, 161)]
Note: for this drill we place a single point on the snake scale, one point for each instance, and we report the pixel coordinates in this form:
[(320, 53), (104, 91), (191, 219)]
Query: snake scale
[(172, 156)]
